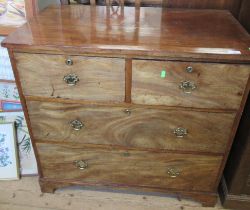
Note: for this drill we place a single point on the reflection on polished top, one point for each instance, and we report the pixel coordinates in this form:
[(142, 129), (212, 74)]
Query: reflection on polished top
[(129, 31)]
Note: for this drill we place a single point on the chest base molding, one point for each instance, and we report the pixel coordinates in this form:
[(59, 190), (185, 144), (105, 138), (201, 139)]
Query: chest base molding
[(206, 199)]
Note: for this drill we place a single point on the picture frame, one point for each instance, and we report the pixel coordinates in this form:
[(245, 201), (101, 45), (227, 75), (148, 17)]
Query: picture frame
[(30, 9), (28, 164), (9, 163)]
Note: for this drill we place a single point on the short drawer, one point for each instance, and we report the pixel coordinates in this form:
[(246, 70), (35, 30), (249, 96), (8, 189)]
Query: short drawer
[(87, 78), (129, 168), (131, 127), (187, 84)]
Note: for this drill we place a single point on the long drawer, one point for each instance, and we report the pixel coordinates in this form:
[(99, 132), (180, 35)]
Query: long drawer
[(131, 168), (74, 77), (130, 127), (187, 84)]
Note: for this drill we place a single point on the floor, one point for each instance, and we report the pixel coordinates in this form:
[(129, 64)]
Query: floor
[(25, 194)]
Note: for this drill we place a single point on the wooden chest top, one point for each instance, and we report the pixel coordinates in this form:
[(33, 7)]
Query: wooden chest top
[(208, 35)]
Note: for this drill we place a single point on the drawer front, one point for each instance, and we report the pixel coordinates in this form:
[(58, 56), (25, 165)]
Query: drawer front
[(202, 86), (145, 128), (136, 168), (88, 78)]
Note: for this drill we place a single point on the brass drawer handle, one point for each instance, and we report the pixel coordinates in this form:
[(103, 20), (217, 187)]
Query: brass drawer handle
[(81, 164), (71, 79), (189, 69), (127, 111), (173, 173), (187, 86), (69, 62), (180, 132), (76, 125)]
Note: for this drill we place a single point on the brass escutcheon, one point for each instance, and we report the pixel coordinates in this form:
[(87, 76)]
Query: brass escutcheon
[(187, 86), (69, 62), (76, 125), (127, 111), (81, 164), (189, 69), (173, 173), (180, 132), (71, 79)]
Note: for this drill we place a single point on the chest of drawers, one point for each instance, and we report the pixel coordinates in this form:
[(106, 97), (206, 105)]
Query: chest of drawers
[(145, 99)]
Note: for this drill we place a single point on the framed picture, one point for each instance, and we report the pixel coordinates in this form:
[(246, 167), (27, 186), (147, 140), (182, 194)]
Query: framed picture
[(9, 164), (27, 158), (9, 97), (14, 13), (6, 73)]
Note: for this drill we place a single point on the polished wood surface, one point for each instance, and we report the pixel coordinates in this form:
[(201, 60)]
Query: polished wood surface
[(100, 79), (151, 32), (217, 85), (160, 107), (123, 167), (143, 128)]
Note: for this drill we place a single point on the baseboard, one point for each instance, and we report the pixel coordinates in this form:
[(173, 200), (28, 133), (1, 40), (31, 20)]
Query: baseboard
[(233, 201)]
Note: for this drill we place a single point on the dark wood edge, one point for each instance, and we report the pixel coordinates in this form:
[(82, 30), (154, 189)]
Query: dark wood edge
[(208, 199), (127, 105), (128, 79), (233, 131), (23, 102), (136, 54), (118, 147), (230, 200)]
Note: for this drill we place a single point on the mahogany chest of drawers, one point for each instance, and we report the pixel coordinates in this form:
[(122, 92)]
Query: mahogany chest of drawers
[(147, 99)]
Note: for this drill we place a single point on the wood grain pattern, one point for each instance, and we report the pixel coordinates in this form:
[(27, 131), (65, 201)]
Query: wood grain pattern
[(154, 32), (218, 85), (124, 104), (143, 128), (100, 79), (24, 107), (129, 167)]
